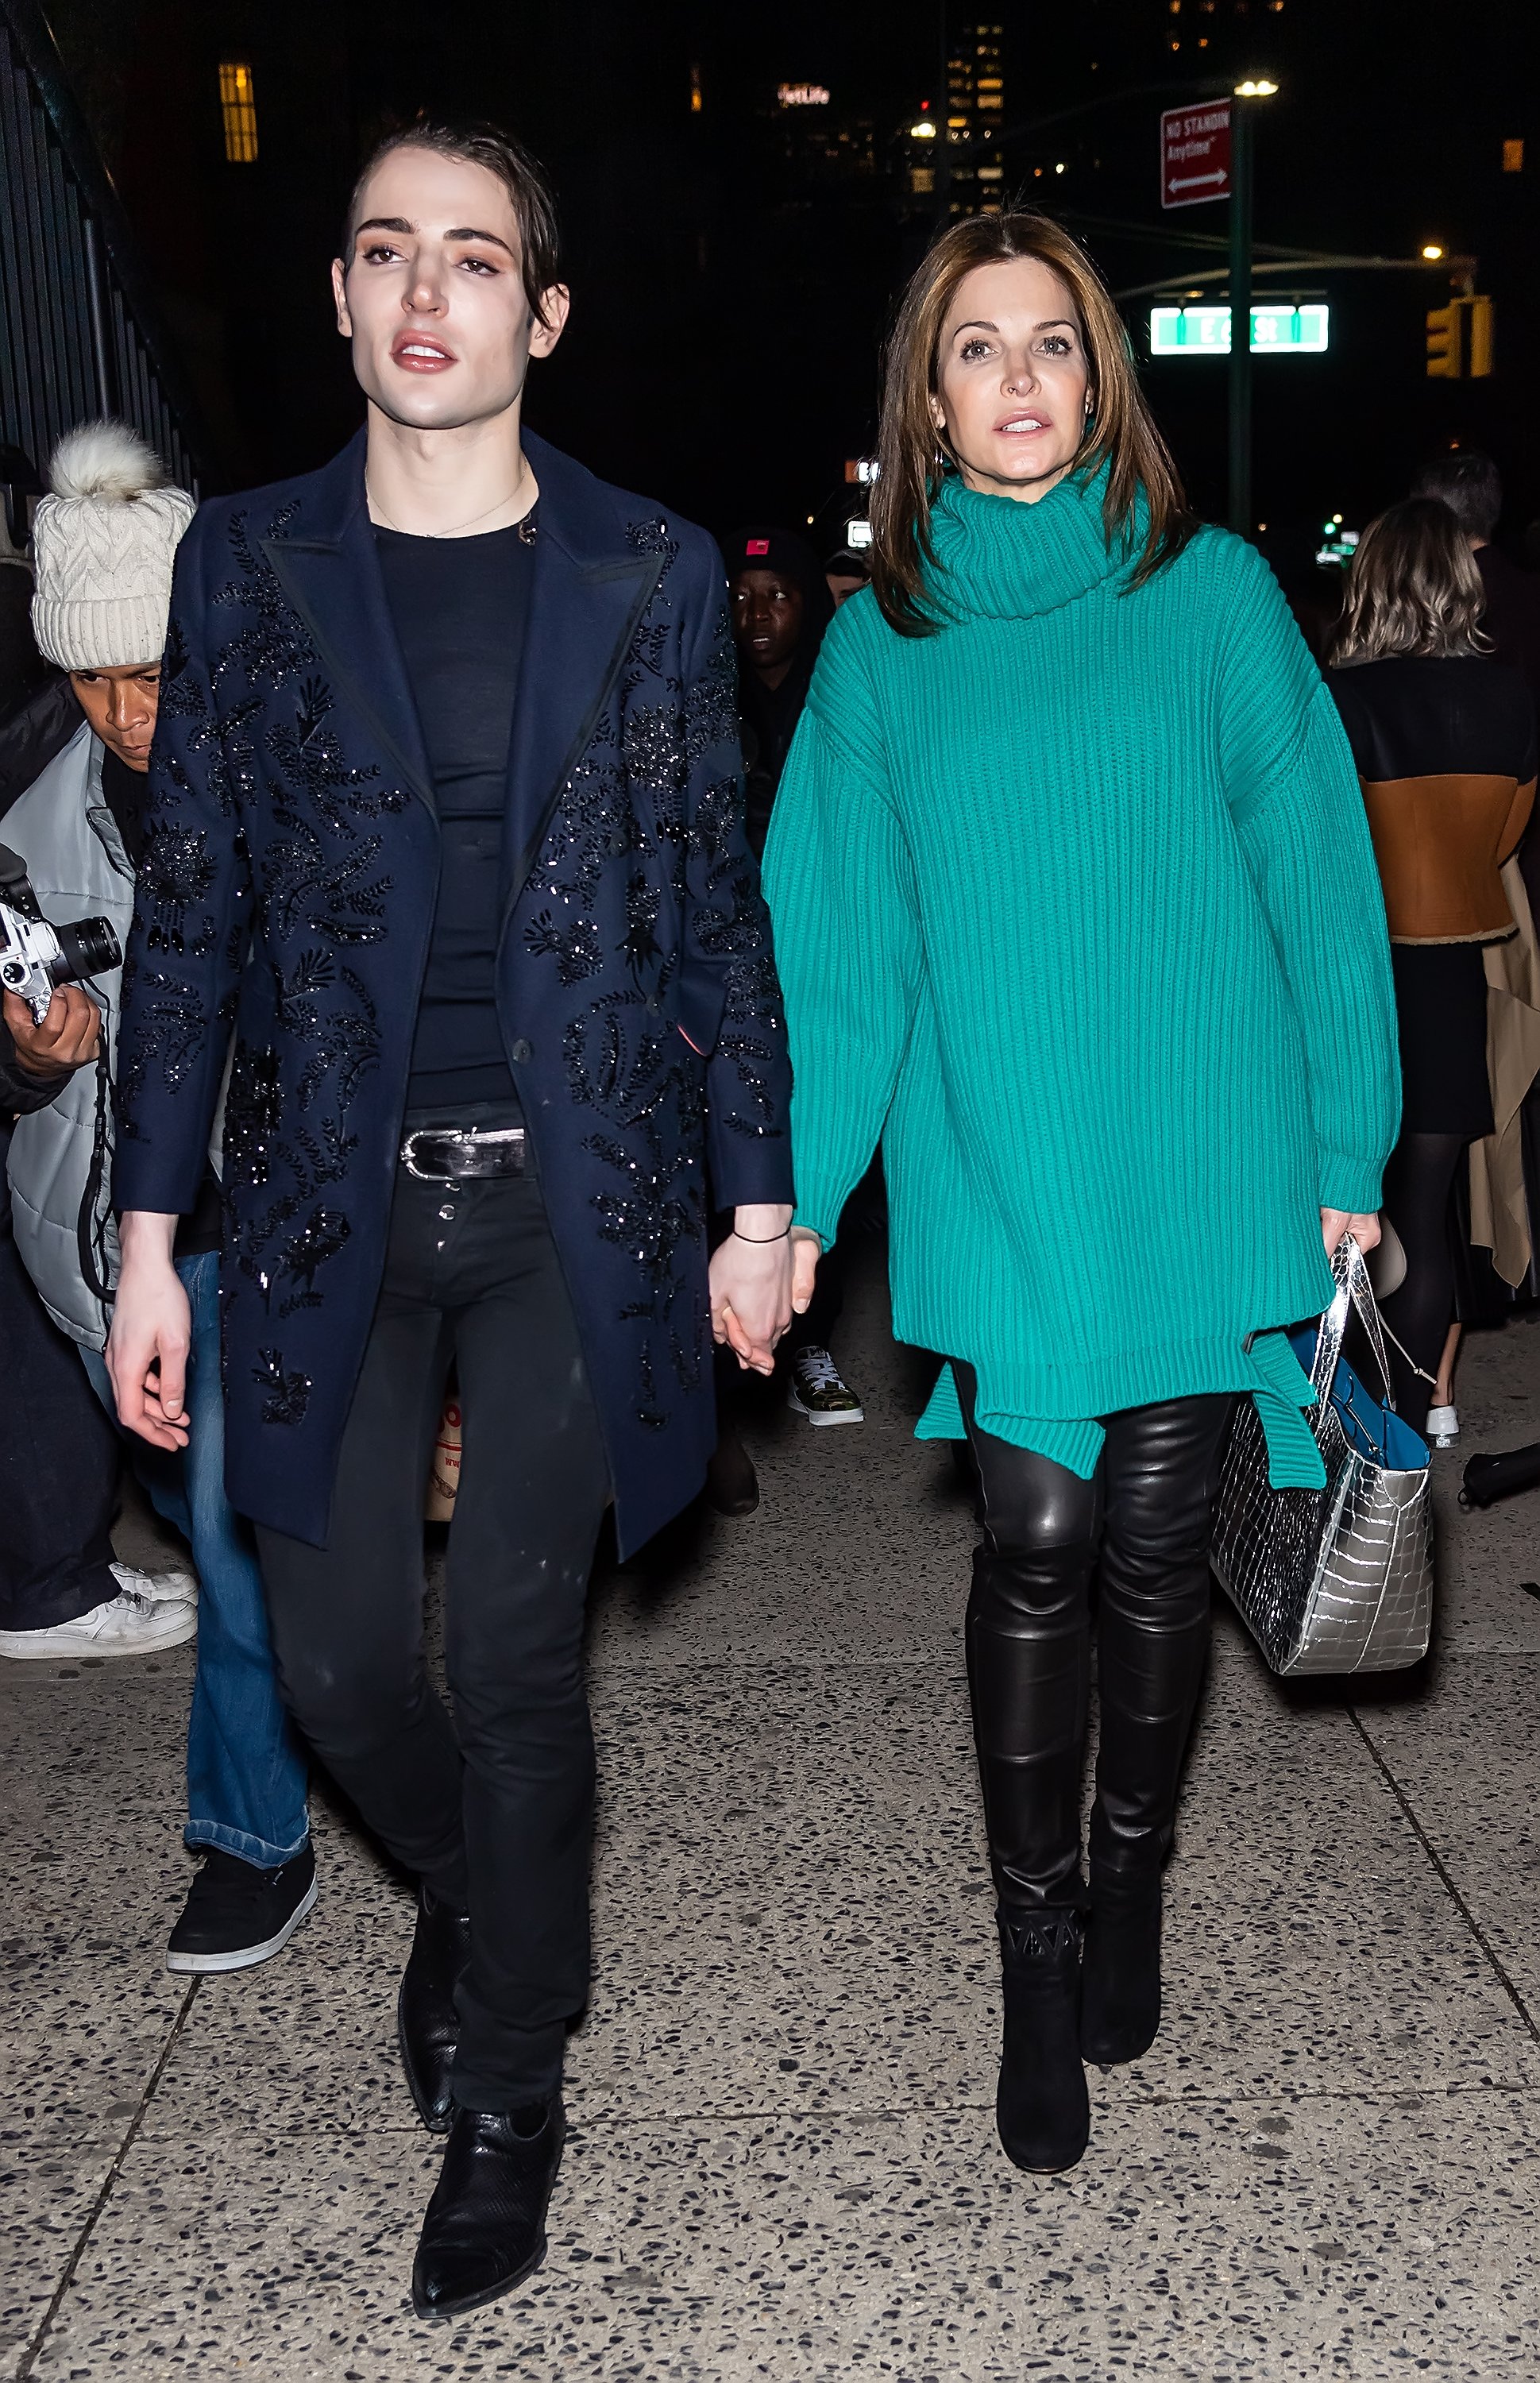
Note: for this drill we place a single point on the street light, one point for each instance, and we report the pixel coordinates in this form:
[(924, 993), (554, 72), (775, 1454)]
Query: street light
[(923, 131), (1256, 89), (1433, 252)]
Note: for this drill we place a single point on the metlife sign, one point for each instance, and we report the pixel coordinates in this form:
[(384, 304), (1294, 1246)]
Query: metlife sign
[(1277, 331), (1195, 154)]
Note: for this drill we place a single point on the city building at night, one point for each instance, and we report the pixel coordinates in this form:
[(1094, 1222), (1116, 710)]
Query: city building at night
[(975, 118)]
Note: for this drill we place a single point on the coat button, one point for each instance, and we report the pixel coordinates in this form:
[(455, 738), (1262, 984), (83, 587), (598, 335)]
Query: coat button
[(520, 1054)]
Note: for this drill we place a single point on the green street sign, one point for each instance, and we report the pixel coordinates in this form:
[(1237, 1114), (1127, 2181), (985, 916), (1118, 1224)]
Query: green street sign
[(1277, 331)]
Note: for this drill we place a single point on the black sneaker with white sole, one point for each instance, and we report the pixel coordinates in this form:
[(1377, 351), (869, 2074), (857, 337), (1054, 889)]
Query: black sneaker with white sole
[(818, 1390), (237, 1914)]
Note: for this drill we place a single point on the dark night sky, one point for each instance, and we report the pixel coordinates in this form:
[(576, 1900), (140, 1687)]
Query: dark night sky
[(729, 311)]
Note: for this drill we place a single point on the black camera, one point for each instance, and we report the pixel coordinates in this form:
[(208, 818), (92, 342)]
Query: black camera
[(35, 957)]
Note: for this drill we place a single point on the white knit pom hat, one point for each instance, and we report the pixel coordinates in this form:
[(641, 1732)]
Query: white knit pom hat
[(101, 546)]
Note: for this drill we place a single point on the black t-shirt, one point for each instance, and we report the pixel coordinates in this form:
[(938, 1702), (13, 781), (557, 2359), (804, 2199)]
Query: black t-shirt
[(125, 793), (459, 605)]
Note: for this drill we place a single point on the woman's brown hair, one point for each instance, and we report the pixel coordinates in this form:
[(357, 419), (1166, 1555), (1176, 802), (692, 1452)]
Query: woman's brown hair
[(914, 455), (1413, 588)]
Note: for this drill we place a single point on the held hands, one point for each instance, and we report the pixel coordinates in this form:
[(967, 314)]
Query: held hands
[(759, 1277), (1335, 1222), (66, 1038), (152, 1331)]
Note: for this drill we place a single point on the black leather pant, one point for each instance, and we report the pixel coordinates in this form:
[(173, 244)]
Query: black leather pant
[(1145, 1520)]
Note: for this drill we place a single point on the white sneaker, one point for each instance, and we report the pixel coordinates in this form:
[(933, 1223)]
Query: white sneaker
[(151, 1611), (1443, 1426)]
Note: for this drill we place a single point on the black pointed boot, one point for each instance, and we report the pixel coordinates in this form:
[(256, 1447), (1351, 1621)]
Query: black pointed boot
[(485, 2230), (428, 2026), (1120, 1992), (1042, 2108)]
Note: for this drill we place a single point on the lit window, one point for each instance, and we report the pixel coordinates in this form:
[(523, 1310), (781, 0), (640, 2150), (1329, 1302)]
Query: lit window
[(697, 99), (238, 105), (1514, 156)]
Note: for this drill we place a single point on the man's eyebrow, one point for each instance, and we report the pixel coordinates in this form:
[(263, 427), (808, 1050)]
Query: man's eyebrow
[(469, 232), (399, 224)]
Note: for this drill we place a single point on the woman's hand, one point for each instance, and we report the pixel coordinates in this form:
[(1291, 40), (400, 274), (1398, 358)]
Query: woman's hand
[(806, 1249), (1336, 1222), (752, 1283)]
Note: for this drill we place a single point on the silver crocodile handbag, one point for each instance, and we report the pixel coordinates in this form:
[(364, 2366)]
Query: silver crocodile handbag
[(1338, 1579)]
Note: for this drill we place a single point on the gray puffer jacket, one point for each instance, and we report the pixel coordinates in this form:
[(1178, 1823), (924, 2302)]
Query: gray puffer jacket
[(61, 1155)]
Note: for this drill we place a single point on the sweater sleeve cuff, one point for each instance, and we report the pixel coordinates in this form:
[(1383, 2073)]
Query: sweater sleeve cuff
[(1350, 1185)]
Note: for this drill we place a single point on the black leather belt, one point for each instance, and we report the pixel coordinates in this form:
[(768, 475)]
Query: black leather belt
[(447, 1153)]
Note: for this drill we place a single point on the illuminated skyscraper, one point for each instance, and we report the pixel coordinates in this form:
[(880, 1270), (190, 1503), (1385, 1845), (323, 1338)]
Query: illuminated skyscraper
[(975, 118)]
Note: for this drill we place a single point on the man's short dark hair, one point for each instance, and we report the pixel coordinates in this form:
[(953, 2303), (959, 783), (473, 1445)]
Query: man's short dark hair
[(521, 176), (1468, 482)]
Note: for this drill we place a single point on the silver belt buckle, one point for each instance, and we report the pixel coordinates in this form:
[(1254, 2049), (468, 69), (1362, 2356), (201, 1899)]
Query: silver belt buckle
[(468, 1137), (427, 1133)]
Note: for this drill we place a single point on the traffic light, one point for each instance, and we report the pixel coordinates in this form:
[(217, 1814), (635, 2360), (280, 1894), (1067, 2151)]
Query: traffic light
[(1479, 341), (1460, 340), (1444, 342)]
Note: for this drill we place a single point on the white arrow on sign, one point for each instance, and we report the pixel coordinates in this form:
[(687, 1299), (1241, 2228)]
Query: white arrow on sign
[(1199, 182)]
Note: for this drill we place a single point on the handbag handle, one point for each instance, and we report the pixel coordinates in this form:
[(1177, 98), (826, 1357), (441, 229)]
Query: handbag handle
[(1353, 1288)]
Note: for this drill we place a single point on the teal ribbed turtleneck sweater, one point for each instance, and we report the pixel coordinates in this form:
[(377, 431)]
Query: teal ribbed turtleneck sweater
[(1076, 910)]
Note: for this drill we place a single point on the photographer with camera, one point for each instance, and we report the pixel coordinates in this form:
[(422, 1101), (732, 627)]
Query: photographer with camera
[(74, 844)]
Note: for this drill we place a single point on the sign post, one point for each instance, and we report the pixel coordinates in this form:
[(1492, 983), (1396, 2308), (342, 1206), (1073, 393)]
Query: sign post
[(1240, 314)]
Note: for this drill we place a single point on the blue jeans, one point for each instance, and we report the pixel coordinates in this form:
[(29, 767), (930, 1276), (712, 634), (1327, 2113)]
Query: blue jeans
[(245, 1771)]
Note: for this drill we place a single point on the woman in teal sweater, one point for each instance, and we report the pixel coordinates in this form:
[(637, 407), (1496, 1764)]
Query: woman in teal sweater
[(1076, 912)]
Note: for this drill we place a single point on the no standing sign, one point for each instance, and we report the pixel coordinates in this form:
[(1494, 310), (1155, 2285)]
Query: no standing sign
[(1195, 154)]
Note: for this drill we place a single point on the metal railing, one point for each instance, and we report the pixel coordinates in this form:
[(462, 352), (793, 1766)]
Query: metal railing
[(79, 335)]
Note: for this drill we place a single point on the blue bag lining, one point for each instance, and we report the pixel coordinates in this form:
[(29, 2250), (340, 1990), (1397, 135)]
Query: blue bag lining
[(1373, 1429)]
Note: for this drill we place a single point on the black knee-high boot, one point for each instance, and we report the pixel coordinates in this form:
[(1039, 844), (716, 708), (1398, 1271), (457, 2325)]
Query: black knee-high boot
[(1152, 1636), (1028, 1668)]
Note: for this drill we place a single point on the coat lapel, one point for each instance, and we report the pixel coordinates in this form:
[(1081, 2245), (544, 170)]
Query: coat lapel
[(590, 590), (589, 594), (329, 571)]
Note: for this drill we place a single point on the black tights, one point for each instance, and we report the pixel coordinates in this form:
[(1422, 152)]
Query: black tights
[(1146, 1517), (1417, 1185)]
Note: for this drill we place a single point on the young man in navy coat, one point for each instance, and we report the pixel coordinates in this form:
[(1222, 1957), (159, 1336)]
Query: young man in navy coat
[(446, 817)]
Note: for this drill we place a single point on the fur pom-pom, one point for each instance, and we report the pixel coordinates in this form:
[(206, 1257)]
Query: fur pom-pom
[(104, 459)]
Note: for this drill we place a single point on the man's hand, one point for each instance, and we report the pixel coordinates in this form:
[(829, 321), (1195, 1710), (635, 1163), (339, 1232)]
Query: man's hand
[(752, 1285), (66, 1038), (1335, 1222), (152, 1331)]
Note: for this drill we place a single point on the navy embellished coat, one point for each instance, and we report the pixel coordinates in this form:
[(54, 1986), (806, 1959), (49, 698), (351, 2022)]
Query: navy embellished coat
[(288, 891)]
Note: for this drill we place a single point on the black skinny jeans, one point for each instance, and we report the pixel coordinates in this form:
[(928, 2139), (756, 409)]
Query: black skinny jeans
[(495, 1809), (1146, 1519)]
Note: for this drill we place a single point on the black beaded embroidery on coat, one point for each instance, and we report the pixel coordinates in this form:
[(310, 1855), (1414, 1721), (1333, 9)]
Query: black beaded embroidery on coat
[(276, 647), (625, 1061), (288, 1393)]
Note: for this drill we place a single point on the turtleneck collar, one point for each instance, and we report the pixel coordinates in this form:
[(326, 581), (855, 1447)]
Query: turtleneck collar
[(1000, 558)]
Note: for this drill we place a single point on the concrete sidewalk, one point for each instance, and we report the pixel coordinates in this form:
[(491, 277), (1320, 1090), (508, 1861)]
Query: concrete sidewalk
[(782, 2160)]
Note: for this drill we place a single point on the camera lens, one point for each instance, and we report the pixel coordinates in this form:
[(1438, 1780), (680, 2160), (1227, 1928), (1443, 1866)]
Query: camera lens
[(85, 949)]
